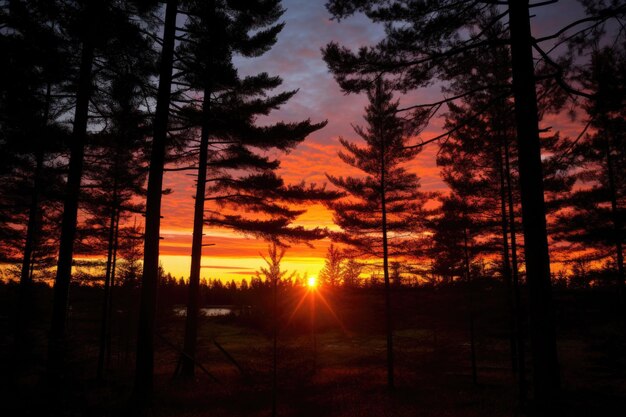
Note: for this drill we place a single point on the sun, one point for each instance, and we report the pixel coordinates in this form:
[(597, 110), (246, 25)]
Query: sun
[(311, 282)]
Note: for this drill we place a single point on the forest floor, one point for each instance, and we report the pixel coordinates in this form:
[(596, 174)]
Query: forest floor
[(339, 370)]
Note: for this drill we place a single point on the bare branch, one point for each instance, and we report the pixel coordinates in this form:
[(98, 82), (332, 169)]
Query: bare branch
[(181, 169), (543, 3), (608, 13), (558, 76), (450, 99), (459, 126)]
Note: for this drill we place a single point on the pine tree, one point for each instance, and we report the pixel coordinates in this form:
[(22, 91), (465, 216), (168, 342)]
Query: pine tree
[(448, 243), (32, 140), (144, 371), (331, 274), (226, 117), (386, 201), (274, 275), (30, 134), (593, 216), (89, 25), (428, 41), (351, 273), (130, 252), (115, 172), (477, 160)]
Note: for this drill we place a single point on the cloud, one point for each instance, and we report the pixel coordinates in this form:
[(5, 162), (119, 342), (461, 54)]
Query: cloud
[(222, 267)]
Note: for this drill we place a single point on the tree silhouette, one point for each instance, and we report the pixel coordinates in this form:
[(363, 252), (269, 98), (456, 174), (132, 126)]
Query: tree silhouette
[(115, 171), (31, 143), (332, 272), (130, 252), (593, 216), (478, 165), (52, 33), (274, 275), (351, 273), (144, 372), (421, 41), (240, 178), (88, 39), (386, 201)]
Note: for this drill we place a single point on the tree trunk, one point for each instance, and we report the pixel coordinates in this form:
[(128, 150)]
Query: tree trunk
[(31, 229), (24, 303), (104, 321), (31, 232), (546, 380), (193, 300), (388, 312), (274, 345), (113, 269), (506, 262), (470, 287), (144, 371), (617, 226), (313, 329), (56, 347), (520, 317)]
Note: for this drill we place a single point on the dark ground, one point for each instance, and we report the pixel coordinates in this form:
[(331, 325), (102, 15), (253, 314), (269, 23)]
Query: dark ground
[(344, 376)]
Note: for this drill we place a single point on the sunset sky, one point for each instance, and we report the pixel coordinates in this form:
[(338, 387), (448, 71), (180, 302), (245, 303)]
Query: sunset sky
[(296, 57)]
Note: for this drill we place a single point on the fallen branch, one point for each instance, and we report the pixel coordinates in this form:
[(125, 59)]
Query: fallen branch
[(198, 364), (231, 359)]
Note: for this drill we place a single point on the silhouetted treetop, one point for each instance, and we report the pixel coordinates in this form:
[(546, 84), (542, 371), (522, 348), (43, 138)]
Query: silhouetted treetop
[(382, 159)]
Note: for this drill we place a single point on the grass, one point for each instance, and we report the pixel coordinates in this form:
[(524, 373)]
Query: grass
[(344, 377)]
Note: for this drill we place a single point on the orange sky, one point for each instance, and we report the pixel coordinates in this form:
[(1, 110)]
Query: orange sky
[(235, 256), (297, 59)]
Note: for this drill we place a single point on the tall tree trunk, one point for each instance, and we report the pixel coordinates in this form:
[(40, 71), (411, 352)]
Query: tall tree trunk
[(104, 321), (313, 329), (470, 286), (56, 347), (144, 371), (113, 269), (520, 317), (274, 345), (546, 380), (24, 303), (388, 312), (31, 228), (506, 262), (31, 232), (617, 226), (193, 300)]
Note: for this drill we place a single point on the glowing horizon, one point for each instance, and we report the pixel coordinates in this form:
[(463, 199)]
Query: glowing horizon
[(238, 268)]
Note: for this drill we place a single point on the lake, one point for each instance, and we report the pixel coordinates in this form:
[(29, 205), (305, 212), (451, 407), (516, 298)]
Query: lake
[(215, 311)]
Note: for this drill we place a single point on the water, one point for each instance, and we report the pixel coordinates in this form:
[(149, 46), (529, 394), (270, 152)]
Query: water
[(205, 312)]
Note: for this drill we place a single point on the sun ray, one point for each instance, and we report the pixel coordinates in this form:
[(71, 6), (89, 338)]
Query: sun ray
[(332, 312), (297, 308)]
